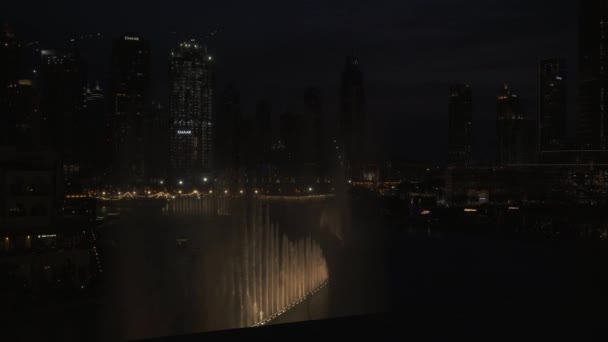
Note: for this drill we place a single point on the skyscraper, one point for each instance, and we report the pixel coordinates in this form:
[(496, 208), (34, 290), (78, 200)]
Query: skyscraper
[(259, 156), (516, 131), (191, 111), (228, 154), (128, 97), (9, 64), (156, 137), (24, 114), (552, 106), (94, 146), (460, 124), (354, 132), (61, 100), (593, 68), (313, 110)]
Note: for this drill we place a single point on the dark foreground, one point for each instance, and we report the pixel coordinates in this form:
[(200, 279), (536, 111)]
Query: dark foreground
[(390, 280)]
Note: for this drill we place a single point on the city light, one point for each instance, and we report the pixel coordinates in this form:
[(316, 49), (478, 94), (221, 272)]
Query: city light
[(256, 192), (241, 192), (179, 192), (225, 191), (162, 182), (468, 210), (210, 191), (205, 179), (181, 182), (310, 189)]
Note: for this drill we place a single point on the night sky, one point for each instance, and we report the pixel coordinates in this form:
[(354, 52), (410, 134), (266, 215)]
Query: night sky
[(410, 51)]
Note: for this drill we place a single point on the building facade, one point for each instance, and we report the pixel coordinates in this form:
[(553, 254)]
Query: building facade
[(130, 79), (593, 75), (516, 131), (191, 112), (552, 105), (61, 84), (353, 122), (460, 124)]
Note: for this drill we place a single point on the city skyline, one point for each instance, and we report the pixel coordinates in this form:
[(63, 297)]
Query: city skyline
[(414, 75), (175, 168)]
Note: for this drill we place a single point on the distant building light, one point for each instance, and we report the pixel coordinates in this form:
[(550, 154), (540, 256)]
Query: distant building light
[(209, 58), (513, 208), (210, 191), (45, 236), (468, 210), (225, 191), (179, 192), (205, 179), (162, 182), (425, 212), (256, 192), (241, 192), (181, 182)]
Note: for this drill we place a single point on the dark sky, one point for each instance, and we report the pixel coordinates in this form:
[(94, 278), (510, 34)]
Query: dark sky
[(410, 51)]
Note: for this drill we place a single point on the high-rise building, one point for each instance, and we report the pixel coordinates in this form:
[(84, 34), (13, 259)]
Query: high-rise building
[(292, 136), (516, 131), (314, 134), (130, 77), (94, 148), (460, 124), (24, 114), (191, 112), (61, 101), (552, 106), (354, 133), (593, 77), (228, 154), (263, 135), (9, 64), (156, 138)]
